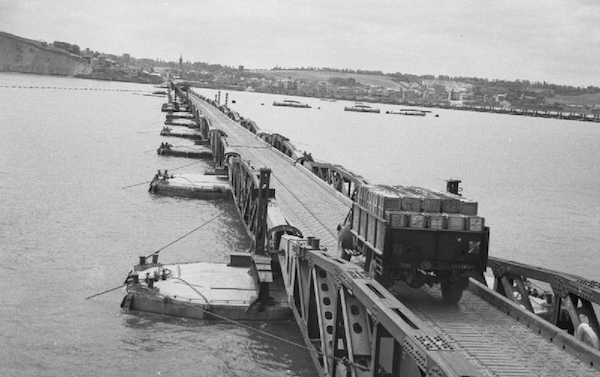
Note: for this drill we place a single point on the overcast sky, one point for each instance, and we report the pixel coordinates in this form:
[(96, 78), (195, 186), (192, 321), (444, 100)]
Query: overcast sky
[(557, 41)]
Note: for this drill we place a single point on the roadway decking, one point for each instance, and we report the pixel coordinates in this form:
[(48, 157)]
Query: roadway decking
[(495, 343), (307, 202)]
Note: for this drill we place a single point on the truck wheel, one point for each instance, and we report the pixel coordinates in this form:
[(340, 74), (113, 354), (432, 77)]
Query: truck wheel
[(452, 292)]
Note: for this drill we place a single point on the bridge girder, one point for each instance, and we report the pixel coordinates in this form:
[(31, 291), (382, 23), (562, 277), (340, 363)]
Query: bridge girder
[(353, 325)]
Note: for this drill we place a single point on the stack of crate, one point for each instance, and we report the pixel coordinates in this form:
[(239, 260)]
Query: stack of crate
[(369, 217), (434, 210), (398, 207)]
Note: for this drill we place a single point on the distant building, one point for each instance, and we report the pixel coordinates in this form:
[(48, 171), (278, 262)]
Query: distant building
[(454, 96), (500, 97)]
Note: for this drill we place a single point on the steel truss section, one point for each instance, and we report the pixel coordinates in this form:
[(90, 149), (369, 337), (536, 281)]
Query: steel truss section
[(337, 177), (354, 326), (571, 298)]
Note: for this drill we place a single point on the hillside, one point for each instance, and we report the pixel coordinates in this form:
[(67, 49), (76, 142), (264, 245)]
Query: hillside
[(584, 99), (369, 80), (28, 56)]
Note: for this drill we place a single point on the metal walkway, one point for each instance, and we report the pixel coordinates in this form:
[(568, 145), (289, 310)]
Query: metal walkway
[(494, 343)]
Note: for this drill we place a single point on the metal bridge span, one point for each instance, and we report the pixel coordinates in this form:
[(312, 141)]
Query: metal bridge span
[(352, 324)]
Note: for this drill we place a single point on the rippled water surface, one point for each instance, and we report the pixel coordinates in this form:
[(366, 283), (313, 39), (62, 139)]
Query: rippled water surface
[(69, 229), (537, 180)]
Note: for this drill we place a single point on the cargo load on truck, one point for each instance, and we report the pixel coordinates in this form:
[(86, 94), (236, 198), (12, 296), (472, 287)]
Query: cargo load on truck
[(419, 236)]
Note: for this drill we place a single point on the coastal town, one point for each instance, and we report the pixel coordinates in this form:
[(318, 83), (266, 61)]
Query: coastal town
[(375, 86), (470, 93)]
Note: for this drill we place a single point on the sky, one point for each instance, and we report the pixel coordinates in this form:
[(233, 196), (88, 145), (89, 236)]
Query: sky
[(557, 41)]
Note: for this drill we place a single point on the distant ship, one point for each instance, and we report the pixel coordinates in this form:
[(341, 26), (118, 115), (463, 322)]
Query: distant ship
[(413, 112), (362, 108), (291, 103)]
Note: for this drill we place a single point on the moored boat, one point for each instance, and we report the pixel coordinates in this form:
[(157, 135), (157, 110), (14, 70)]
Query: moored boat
[(414, 112), (361, 108), (292, 103)]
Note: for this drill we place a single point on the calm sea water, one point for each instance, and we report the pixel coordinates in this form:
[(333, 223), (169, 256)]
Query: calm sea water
[(69, 229), (537, 181)]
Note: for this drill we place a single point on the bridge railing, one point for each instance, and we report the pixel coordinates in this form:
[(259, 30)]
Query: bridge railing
[(567, 301), (336, 176)]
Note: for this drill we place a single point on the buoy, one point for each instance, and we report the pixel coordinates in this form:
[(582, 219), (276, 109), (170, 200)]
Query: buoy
[(586, 334)]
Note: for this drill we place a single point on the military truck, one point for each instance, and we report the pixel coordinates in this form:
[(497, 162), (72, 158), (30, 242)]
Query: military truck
[(419, 236)]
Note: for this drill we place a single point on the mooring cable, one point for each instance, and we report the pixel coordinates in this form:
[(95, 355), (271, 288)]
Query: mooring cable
[(107, 291), (277, 337), (137, 184), (185, 235), (180, 167), (156, 253)]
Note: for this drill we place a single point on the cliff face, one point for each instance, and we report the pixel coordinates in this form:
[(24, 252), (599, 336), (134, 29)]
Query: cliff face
[(24, 55)]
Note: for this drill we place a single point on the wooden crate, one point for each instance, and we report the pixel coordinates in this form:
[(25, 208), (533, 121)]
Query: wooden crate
[(363, 224), (411, 203), (410, 200), (387, 201), (437, 220), (475, 223), (356, 212), (397, 219), (371, 229), (380, 240), (417, 220), (468, 207), (430, 202), (456, 221)]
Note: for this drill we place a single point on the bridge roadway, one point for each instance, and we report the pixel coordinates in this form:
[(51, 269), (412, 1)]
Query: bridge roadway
[(308, 203), (493, 342)]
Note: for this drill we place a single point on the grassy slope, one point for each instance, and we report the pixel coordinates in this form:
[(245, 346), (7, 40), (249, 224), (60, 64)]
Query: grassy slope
[(588, 99), (585, 99), (324, 76)]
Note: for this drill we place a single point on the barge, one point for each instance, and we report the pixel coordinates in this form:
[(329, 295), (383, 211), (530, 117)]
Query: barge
[(198, 186), (183, 132), (362, 108), (292, 103), (195, 151)]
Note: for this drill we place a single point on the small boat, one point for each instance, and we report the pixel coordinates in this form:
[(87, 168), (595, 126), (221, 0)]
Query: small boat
[(413, 112), (361, 108), (291, 103)]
